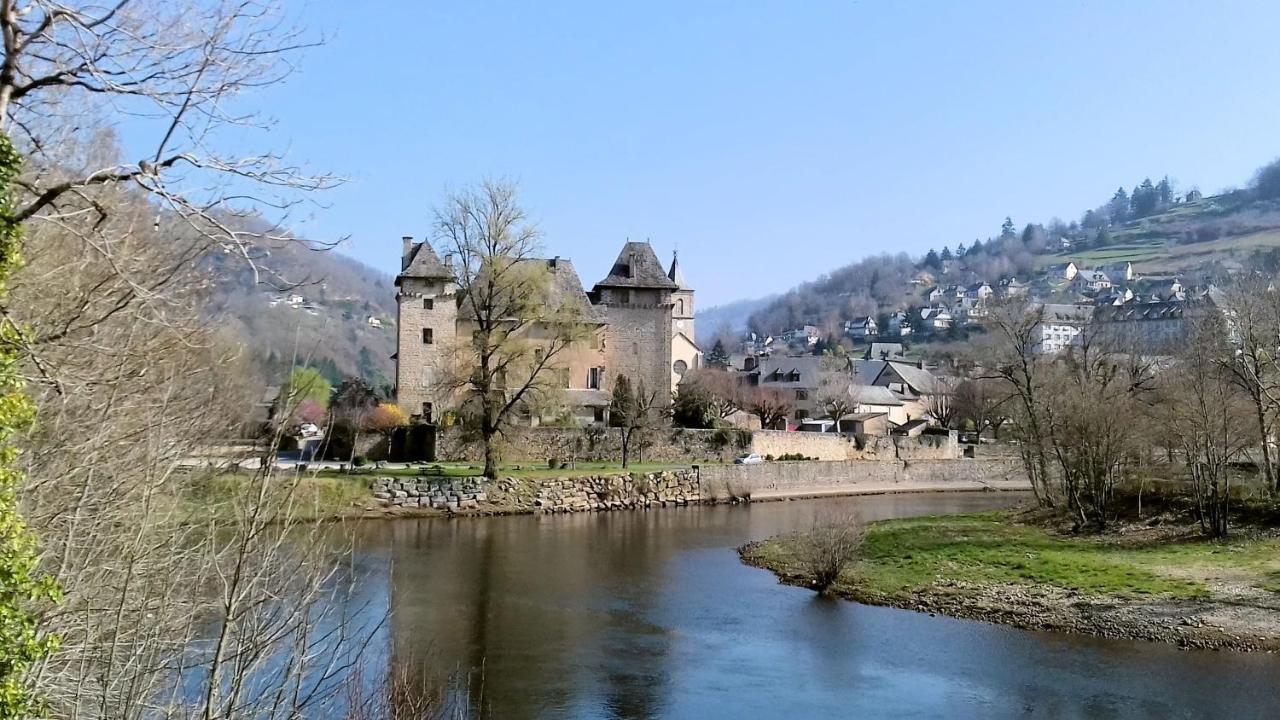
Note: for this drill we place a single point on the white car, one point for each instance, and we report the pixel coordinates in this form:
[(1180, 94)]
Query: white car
[(748, 459)]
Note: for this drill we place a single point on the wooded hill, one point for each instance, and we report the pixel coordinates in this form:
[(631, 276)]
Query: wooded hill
[(1164, 233), (328, 328)]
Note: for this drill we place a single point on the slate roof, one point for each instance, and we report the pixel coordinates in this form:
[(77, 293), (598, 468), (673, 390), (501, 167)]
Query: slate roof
[(564, 284), (675, 275), (637, 267), (775, 372), (883, 350), (873, 395), (1167, 310), (921, 381), (424, 263)]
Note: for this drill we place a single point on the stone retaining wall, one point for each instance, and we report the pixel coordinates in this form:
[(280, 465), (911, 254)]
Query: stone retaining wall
[(602, 445), (715, 483), (742, 481)]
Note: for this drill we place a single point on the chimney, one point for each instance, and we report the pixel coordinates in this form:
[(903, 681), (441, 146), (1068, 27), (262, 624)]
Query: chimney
[(406, 252), (631, 264), (555, 262)]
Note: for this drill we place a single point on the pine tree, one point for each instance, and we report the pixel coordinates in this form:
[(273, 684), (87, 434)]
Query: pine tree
[(1006, 228), (931, 259), (976, 248), (1165, 190), (961, 250), (718, 355), (946, 254)]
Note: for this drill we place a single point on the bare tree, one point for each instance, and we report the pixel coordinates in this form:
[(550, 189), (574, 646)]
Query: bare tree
[(770, 405), (173, 68), (828, 548), (1208, 414), (979, 401), (834, 398), (518, 319), (1252, 310), (1012, 354)]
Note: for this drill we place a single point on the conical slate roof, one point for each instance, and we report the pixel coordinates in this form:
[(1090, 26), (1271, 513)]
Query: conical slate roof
[(424, 263), (675, 275), (637, 267)]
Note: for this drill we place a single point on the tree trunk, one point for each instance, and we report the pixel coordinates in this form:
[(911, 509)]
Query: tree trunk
[(1266, 448), (488, 432), (625, 440)]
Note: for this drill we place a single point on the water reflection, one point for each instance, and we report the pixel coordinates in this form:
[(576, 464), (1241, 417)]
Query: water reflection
[(639, 615)]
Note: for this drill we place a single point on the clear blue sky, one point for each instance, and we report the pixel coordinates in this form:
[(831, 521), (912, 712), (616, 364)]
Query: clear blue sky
[(772, 141)]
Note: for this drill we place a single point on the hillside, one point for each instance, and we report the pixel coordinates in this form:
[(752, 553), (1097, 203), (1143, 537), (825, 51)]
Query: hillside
[(730, 318), (310, 305), (1195, 238)]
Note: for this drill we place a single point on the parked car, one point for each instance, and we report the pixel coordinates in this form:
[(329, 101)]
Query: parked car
[(748, 459)]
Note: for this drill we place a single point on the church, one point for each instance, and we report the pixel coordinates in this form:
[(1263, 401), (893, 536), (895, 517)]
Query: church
[(642, 328)]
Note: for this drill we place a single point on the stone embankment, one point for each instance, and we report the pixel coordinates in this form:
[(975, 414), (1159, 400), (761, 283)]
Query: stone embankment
[(590, 493), (691, 486)]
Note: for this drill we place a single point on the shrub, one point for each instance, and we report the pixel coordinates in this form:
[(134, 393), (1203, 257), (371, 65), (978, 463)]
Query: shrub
[(768, 458), (829, 547)]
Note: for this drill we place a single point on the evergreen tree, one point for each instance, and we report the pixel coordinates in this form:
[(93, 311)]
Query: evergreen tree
[(977, 247), (946, 254), (961, 251), (1165, 190), (1006, 228), (932, 260), (621, 402), (718, 355), (1102, 238), (1118, 208)]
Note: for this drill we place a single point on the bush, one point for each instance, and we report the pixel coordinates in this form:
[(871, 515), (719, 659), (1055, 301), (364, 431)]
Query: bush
[(828, 548), (768, 458), (358, 461)]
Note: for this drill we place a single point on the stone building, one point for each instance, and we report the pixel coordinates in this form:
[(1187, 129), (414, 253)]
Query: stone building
[(640, 321)]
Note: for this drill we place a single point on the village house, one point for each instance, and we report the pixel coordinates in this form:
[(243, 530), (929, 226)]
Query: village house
[(637, 322), (883, 351), (920, 391), (798, 377), (862, 328), (1064, 271), (806, 336), (936, 319), (1092, 280), (900, 324), (1060, 325)]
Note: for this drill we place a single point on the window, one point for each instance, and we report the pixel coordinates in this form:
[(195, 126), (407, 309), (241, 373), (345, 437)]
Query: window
[(802, 394), (593, 377), (428, 336), (597, 414), (624, 296), (802, 414), (426, 411), (680, 306), (428, 303), (680, 367)]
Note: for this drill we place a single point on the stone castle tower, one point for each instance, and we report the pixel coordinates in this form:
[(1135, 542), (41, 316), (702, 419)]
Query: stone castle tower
[(426, 323)]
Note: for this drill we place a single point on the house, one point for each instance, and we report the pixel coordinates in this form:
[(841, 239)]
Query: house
[(1092, 280), (373, 322), (937, 319), (1060, 325), (935, 295), (875, 399), (1011, 288), (900, 324), (1064, 271), (806, 336), (797, 377), (866, 423), (1066, 243), (921, 391), (883, 351), (924, 277), (1120, 272), (1154, 327), (862, 328), (982, 291)]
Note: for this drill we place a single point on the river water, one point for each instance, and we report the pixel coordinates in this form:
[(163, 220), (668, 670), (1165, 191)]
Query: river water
[(651, 615)]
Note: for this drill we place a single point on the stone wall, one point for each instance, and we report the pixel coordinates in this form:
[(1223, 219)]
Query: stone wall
[(831, 446), (681, 445), (545, 495), (537, 445), (716, 483), (779, 478)]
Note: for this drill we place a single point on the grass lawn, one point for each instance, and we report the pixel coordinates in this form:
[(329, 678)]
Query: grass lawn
[(902, 557), (313, 498)]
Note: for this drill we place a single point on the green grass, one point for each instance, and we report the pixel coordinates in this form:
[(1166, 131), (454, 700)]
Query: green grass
[(902, 557), (221, 498)]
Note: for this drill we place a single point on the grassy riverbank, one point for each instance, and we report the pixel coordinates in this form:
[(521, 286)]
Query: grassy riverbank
[(1153, 583)]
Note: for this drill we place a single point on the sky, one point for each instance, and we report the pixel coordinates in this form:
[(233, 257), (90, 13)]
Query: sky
[(769, 142)]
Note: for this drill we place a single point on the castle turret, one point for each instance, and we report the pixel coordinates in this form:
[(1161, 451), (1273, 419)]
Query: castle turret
[(685, 354), (426, 329), (636, 299)]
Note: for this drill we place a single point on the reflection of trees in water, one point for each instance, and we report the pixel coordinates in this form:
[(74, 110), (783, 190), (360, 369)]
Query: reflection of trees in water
[(548, 608)]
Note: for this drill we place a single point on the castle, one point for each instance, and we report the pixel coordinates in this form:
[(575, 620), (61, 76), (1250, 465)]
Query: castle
[(641, 320)]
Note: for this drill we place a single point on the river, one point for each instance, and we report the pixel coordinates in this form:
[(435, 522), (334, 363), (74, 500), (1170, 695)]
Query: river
[(651, 615)]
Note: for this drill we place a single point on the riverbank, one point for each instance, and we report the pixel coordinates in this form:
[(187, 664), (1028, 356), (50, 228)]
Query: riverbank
[(1150, 583)]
